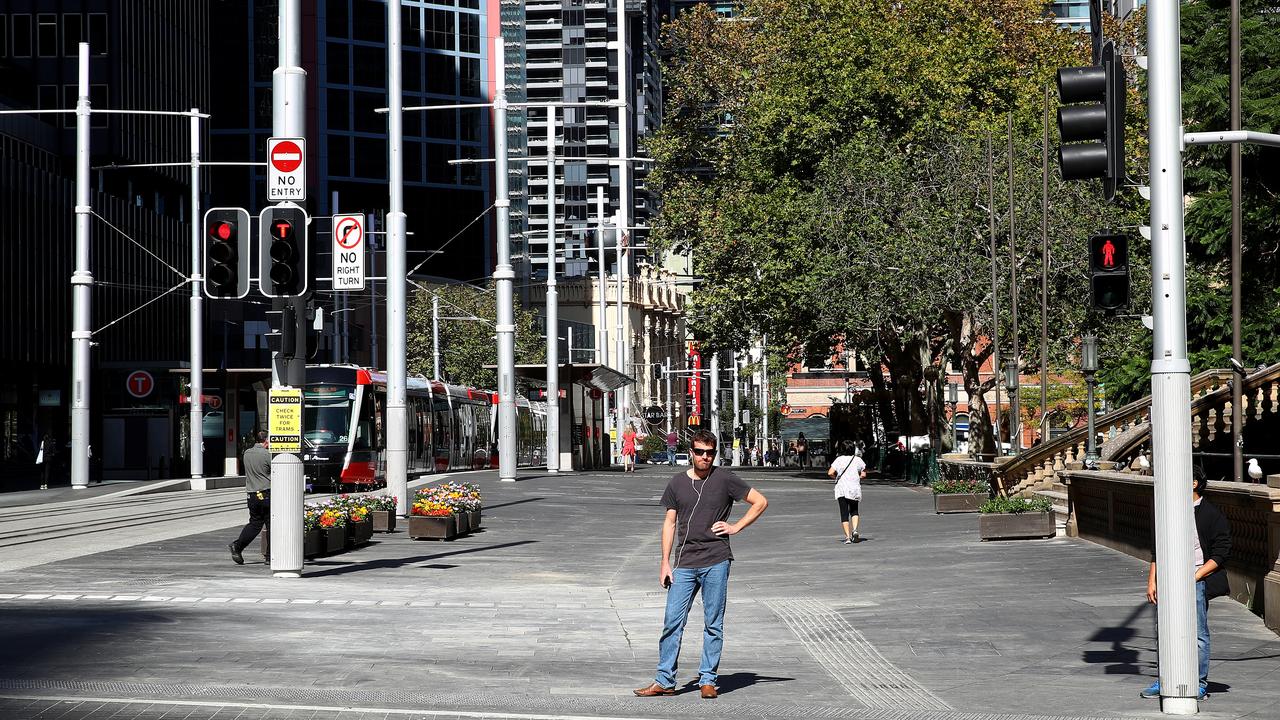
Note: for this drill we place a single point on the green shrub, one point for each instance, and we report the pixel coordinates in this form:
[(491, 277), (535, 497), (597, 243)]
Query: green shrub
[(948, 486), (1015, 505)]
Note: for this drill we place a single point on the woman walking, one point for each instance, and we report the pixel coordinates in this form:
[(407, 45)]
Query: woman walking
[(629, 450), (848, 470)]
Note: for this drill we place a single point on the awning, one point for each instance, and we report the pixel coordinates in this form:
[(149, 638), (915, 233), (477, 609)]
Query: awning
[(600, 377)]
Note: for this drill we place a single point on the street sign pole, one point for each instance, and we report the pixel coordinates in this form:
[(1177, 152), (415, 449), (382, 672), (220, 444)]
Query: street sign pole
[(504, 277), (196, 325), (1170, 369), (289, 92), (397, 396), (81, 289)]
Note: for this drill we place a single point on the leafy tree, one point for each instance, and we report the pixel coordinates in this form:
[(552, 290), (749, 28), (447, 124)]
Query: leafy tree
[(467, 346)]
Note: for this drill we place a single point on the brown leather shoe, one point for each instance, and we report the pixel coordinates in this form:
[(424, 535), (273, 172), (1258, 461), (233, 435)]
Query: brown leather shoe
[(709, 692), (653, 690)]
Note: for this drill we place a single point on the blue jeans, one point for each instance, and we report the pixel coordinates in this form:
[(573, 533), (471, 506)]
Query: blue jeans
[(714, 583), (1202, 632)]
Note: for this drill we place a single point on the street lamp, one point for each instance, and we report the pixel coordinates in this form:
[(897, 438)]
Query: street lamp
[(1089, 365), (953, 399), (1011, 383)]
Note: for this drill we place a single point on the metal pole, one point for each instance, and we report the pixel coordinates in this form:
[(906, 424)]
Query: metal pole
[(1015, 430), (666, 373), (1170, 369), (1237, 382), (764, 393), (397, 282), (196, 396), (552, 312), (603, 308), (620, 353), (81, 289), (737, 416), (504, 276), (336, 355), (1044, 275), (1091, 448), (996, 368), (289, 90), (435, 337), (624, 200), (374, 350), (714, 406)]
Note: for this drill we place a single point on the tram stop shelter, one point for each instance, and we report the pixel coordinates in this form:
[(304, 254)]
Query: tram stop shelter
[(584, 444)]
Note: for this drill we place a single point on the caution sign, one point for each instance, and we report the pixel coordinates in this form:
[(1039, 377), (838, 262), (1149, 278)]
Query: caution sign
[(284, 421)]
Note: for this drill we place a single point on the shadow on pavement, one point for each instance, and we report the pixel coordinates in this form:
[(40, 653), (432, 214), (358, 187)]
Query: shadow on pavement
[(1122, 658), (345, 568), (734, 681), (514, 502)]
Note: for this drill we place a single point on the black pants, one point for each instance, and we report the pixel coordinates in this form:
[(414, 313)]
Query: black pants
[(848, 508), (259, 515)]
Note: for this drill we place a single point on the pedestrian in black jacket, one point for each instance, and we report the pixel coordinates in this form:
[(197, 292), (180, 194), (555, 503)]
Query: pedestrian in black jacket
[(1212, 546)]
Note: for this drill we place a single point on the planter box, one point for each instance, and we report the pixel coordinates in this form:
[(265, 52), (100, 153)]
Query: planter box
[(473, 519), (958, 502), (1000, 526), (384, 520), (333, 540), (312, 541), (432, 528), (461, 523), (358, 533)]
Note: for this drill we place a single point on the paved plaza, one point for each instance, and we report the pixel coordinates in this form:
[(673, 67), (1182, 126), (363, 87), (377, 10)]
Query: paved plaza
[(129, 607)]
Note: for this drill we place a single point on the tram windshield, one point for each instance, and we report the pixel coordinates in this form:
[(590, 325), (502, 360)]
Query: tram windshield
[(326, 415)]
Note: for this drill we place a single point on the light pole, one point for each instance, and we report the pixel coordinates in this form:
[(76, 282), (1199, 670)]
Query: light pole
[(1011, 383), (552, 308), (1089, 365), (953, 399)]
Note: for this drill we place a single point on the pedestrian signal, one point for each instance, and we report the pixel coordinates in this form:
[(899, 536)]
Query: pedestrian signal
[(226, 253), (1109, 271)]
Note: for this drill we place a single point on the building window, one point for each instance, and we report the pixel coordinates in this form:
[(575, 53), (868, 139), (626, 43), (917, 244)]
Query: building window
[(339, 155), (339, 109), (98, 33), (336, 19), (99, 98), (22, 36), (338, 63), (438, 31), (469, 32), (72, 34), (48, 100), (255, 334), (440, 74), (4, 35), (47, 34), (470, 77), (369, 66)]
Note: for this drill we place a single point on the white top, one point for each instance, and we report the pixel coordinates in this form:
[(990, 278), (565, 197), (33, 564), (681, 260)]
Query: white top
[(849, 479), (1195, 539)]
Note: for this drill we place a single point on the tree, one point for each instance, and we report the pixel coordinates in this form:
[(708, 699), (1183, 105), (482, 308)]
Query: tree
[(467, 345), (826, 160)]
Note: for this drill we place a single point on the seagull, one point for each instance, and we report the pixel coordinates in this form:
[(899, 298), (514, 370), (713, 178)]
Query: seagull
[(1255, 471)]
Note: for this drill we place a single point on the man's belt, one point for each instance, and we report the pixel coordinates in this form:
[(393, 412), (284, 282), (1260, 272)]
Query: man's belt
[(261, 494)]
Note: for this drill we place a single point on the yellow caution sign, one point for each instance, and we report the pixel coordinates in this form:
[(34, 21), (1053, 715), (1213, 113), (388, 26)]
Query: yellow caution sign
[(284, 421)]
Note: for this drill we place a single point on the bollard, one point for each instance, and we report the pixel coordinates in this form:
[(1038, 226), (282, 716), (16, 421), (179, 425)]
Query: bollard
[(286, 516)]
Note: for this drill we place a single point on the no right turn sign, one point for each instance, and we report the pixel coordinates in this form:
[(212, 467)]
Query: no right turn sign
[(348, 252)]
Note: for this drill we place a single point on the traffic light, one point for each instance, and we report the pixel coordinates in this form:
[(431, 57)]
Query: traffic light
[(1092, 129), (282, 257), (226, 253), (1109, 271)]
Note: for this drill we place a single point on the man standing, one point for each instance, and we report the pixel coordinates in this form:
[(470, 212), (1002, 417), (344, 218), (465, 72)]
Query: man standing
[(671, 447), (257, 470), (1211, 546), (696, 525)]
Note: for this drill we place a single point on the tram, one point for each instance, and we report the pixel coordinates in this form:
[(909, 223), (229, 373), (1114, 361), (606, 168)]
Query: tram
[(451, 427)]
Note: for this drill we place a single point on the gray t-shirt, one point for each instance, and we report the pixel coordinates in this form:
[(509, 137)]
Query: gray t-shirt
[(257, 468), (699, 504)]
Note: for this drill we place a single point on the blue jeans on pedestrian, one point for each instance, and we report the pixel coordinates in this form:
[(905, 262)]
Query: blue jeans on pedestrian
[(1202, 632), (713, 581)]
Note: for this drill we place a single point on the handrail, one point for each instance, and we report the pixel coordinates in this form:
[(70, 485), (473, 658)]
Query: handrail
[(1259, 378), (1021, 467)]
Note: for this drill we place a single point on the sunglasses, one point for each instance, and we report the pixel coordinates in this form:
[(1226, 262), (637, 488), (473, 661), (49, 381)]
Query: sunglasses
[(705, 452)]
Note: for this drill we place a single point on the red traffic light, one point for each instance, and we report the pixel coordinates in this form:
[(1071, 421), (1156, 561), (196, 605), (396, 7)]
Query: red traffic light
[(222, 230), (1108, 252)]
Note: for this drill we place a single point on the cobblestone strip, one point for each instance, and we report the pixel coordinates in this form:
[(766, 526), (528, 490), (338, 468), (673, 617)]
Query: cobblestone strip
[(852, 661)]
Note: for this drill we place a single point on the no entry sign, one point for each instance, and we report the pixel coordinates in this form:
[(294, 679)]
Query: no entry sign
[(348, 252), (286, 169)]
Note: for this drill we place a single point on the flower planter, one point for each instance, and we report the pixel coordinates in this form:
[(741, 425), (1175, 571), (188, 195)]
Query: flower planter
[(473, 520), (311, 542), (358, 533), (384, 520), (461, 523), (442, 527), (1016, 526), (958, 502), (334, 540)]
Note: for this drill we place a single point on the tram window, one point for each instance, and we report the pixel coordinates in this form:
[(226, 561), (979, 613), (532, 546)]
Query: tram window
[(326, 416)]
